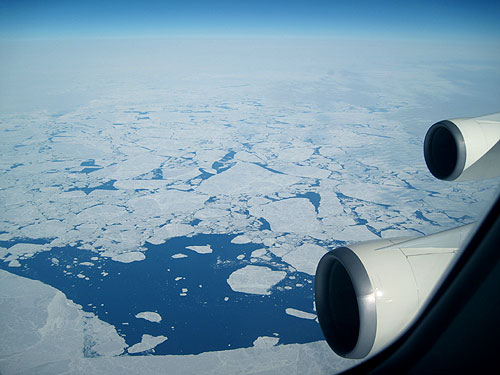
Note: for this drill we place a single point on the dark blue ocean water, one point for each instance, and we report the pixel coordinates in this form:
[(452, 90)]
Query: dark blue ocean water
[(198, 322)]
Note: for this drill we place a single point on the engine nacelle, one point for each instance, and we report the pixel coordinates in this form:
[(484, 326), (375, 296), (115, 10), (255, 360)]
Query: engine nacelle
[(367, 293), (464, 148)]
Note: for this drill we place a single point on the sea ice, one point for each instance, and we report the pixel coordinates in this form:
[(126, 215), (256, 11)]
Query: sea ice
[(179, 255), (299, 313), (149, 315), (258, 253), (242, 239), (161, 234), (148, 342), (245, 178), (265, 341), (364, 162), (305, 258), (25, 249), (282, 217), (255, 279), (200, 249), (133, 256), (37, 318)]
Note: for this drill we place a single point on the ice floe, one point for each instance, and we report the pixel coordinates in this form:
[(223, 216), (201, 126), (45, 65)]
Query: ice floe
[(300, 314), (265, 341), (305, 258), (37, 318), (241, 239), (25, 249), (14, 263), (149, 315), (200, 249), (255, 279), (168, 231), (179, 256), (148, 342), (282, 218), (244, 177), (258, 253), (134, 256)]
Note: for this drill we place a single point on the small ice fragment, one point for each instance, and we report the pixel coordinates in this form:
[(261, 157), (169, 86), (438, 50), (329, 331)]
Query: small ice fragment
[(265, 341), (179, 255), (200, 249), (149, 315), (299, 313)]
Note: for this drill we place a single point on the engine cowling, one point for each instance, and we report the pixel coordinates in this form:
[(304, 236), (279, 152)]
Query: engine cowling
[(368, 293), (464, 148)]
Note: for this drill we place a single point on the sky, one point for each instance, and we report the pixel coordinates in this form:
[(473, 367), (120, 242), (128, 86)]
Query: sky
[(426, 19)]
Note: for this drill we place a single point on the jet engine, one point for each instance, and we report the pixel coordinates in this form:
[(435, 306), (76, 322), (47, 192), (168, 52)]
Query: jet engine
[(464, 148), (366, 294)]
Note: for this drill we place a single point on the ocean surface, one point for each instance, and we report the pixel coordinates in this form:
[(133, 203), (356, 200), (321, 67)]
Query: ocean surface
[(210, 316)]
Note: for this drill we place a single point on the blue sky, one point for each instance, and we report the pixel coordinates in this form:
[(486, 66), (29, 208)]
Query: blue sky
[(384, 18)]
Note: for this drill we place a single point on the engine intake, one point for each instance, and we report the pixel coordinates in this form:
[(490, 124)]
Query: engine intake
[(344, 305)]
